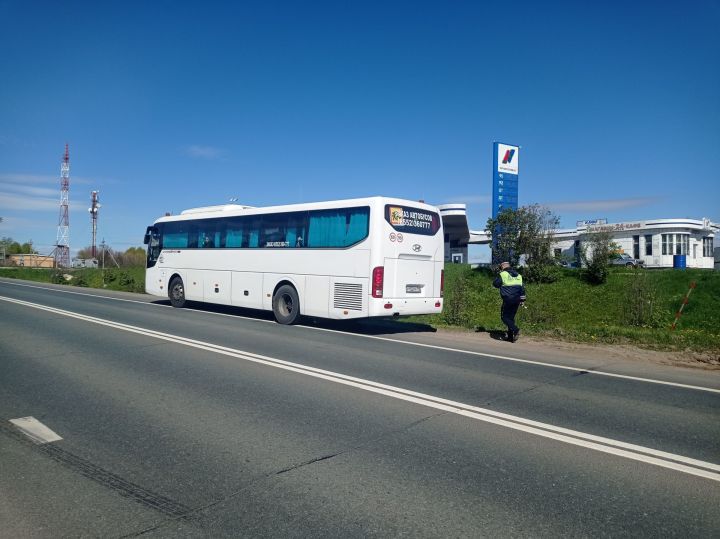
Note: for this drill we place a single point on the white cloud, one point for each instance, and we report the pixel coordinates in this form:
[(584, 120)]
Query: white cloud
[(28, 202), (29, 178), (604, 205), (24, 179), (204, 152)]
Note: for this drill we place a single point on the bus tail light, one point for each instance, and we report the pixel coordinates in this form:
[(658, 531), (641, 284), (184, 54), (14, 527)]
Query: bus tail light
[(378, 276), (442, 282)]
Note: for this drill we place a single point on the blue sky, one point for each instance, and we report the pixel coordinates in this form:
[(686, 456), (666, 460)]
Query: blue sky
[(170, 105)]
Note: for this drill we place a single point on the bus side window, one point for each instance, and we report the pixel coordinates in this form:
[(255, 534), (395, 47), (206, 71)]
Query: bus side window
[(174, 236), (234, 234), (193, 237), (253, 233), (208, 242), (295, 229), (337, 228), (357, 225)]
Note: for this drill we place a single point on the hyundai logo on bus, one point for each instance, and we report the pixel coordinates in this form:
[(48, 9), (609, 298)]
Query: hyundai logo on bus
[(417, 247)]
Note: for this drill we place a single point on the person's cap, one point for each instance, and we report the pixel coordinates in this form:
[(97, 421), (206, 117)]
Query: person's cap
[(504, 265)]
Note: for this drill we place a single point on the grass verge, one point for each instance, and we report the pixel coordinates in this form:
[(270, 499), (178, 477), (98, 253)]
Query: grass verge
[(632, 307)]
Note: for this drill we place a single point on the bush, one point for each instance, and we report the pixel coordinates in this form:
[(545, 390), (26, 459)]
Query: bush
[(641, 303), (57, 277), (596, 254), (456, 306), (541, 273)]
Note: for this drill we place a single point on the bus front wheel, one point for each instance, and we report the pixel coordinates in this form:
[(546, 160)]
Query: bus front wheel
[(176, 292), (286, 305)]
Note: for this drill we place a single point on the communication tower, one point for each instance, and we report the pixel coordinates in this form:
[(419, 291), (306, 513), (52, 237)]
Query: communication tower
[(93, 209), (62, 247)]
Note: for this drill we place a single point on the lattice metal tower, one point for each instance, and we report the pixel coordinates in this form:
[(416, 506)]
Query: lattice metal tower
[(62, 247), (93, 209)]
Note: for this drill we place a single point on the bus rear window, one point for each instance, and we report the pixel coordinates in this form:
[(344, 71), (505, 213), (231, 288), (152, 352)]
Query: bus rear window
[(412, 220)]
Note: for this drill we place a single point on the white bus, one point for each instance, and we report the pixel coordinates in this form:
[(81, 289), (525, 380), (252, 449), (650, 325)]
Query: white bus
[(340, 259)]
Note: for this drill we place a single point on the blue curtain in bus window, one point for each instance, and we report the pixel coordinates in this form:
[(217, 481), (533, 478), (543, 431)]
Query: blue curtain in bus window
[(233, 238), (358, 227), (253, 238), (326, 230), (175, 240), (291, 238)]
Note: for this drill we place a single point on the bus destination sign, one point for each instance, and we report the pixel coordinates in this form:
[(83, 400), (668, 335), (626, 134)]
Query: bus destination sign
[(412, 220)]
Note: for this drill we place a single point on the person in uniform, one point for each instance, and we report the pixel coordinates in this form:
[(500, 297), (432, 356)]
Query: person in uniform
[(512, 292)]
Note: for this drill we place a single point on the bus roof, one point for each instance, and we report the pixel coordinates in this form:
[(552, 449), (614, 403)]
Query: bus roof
[(229, 210)]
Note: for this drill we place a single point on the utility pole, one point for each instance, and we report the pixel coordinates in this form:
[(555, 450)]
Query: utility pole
[(2, 250), (103, 262), (93, 209)]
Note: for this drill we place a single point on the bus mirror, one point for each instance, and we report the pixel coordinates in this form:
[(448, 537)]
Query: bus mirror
[(149, 234)]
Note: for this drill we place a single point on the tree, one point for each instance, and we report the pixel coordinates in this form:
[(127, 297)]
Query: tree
[(134, 256), (597, 249), (12, 247), (527, 231), (85, 253)]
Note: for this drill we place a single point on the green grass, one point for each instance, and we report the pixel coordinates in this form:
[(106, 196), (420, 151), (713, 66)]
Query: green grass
[(127, 279), (633, 306), (568, 309)]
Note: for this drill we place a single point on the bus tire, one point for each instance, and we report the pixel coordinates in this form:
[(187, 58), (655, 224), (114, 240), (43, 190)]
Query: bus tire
[(176, 292), (286, 305)]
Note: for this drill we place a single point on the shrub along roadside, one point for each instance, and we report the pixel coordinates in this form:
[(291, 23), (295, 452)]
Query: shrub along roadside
[(126, 279)]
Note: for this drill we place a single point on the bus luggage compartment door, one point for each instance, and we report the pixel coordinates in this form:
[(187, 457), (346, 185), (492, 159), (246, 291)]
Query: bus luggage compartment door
[(409, 278)]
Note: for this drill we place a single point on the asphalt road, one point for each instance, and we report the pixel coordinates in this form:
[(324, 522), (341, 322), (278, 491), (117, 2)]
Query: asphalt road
[(206, 422)]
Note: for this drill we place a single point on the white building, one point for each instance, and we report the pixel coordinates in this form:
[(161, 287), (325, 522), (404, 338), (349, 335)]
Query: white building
[(655, 242)]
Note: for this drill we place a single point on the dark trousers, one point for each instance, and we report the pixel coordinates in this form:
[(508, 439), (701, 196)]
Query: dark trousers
[(507, 315)]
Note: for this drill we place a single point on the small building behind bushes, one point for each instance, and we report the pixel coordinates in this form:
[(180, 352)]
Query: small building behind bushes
[(32, 260)]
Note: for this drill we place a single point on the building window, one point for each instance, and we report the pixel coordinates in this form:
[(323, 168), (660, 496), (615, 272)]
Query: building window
[(636, 246), (682, 244), (648, 245), (675, 244), (708, 247)]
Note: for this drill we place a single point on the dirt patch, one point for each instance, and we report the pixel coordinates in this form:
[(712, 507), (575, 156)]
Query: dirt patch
[(539, 346)]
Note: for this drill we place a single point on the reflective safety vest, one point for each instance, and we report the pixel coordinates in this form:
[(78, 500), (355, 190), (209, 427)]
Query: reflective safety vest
[(509, 280)]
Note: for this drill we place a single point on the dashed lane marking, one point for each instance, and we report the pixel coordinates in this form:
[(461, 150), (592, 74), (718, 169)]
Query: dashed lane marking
[(36, 431)]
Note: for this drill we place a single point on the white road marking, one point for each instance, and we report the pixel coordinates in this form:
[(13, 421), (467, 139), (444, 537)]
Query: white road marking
[(586, 370), (707, 470), (36, 431)]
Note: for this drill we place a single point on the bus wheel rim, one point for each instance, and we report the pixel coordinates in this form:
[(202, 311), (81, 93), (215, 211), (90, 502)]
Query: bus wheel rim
[(286, 304)]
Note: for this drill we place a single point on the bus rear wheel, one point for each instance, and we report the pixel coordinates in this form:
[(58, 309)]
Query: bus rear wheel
[(176, 292), (286, 305)]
